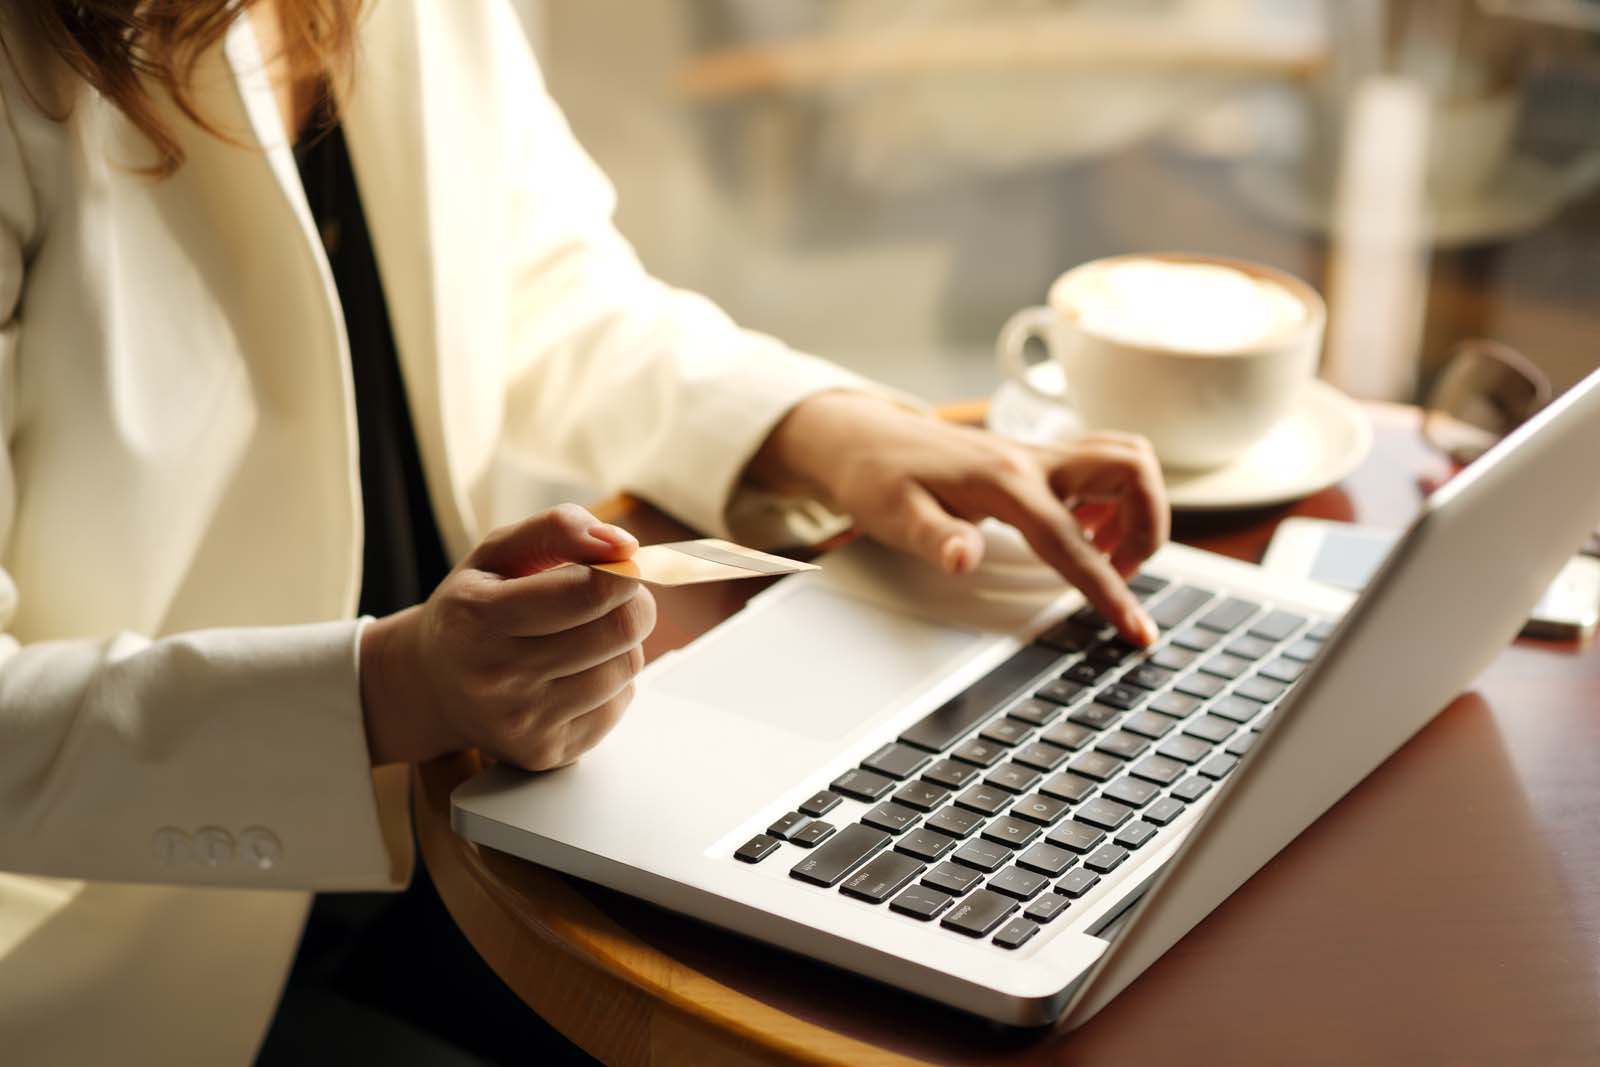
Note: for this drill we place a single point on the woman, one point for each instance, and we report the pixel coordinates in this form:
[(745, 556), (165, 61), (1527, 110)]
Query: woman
[(205, 398)]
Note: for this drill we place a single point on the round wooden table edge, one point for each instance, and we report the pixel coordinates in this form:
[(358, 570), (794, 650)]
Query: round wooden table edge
[(659, 1006)]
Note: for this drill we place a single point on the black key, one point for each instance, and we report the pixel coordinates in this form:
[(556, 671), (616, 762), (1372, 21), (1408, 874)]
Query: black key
[(952, 878), (1016, 933), (1259, 688), (1131, 791), (1196, 640), (985, 856), (1069, 787), (1172, 658), (1283, 670), (1241, 744), (896, 760), (1074, 836), (787, 825), (1090, 617), (1178, 605), (944, 726), (1094, 716), (1047, 859), (1123, 744), (1158, 769), (1041, 755), (1047, 907), (1164, 811), (1177, 705), (881, 878), (1037, 807), (1149, 724), (863, 785), (1106, 858), (1184, 749), (1147, 585), (1016, 882), (1062, 690), (1248, 647), (1067, 735), (891, 817), (1235, 708), (1218, 766), (1191, 789), (979, 914), (1210, 728), (1228, 615), (1125, 697), (921, 902), (1106, 814), (924, 796), (1321, 631), (985, 799), (1013, 778), (924, 844), (950, 773), (1084, 672), (1069, 635), (1223, 665), (821, 803), (979, 753), (1075, 884), (1277, 625), (813, 834), (1112, 652), (1006, 731), (1135, 835), (1145, 676), (1012, 833), (1201, 685), (1035, 712), (1096, 765), (954, 821), (1304, 650), (757, 849), (839, 855)]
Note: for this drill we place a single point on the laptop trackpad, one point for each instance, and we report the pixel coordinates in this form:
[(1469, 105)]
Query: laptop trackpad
[(815, 661)]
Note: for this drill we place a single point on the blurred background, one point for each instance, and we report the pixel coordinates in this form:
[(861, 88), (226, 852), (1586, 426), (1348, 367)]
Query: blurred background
[(884, 181)]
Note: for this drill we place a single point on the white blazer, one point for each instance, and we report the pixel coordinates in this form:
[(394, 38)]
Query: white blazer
[(181, 745)]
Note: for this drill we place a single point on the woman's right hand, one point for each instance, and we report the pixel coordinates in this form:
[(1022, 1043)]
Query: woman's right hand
[(515, 654)]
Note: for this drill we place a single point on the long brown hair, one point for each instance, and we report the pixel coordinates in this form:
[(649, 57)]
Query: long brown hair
[(131, 49)]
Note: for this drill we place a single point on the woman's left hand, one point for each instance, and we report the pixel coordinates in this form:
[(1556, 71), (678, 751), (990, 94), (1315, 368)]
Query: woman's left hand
[(1093, 509)]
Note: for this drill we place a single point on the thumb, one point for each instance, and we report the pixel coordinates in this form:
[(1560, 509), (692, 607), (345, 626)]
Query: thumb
[(563, 534), (922, 527)]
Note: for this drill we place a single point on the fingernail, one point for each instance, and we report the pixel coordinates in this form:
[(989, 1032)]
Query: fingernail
[(953, 555), (1148, 630), (615, 535)]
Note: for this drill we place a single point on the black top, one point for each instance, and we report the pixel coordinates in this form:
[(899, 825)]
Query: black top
[(403, 557)]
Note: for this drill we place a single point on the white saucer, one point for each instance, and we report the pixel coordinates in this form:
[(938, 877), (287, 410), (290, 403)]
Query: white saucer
[(1318, 444)]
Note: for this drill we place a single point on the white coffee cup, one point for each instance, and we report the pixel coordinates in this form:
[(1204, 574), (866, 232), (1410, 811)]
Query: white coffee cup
[(1201, 354)]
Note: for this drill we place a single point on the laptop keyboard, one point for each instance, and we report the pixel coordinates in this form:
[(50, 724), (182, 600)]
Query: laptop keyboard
[(995, 812)]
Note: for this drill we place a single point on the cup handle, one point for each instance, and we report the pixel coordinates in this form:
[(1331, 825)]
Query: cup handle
[(1028, 323)]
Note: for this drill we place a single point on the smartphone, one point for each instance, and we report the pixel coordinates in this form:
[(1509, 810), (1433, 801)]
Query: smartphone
[(1346, 555)]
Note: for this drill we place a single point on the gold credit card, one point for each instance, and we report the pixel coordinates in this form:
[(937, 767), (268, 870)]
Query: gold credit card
[(705, 560)]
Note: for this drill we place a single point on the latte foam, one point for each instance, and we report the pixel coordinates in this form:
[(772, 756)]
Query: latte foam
[(1184, 306)]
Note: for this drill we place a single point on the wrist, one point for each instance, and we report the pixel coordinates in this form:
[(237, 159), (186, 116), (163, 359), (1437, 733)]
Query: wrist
[(801, 457), (401, 725)]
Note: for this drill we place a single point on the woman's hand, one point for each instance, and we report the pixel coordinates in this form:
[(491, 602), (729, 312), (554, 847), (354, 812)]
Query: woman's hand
[(531, 661), (1094, 509)]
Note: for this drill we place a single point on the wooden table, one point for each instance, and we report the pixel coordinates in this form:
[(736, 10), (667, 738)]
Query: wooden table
[(1447, 910)]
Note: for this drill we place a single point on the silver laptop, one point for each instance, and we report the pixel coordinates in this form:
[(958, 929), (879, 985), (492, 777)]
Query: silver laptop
[(984, 797)]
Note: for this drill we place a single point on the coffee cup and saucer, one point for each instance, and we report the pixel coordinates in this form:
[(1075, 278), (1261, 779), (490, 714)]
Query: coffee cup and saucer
[(1212, 359)]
